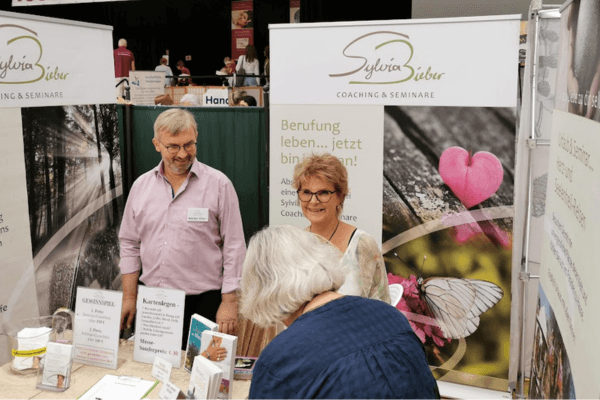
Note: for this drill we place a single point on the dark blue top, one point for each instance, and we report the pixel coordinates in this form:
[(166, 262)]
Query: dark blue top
[(349, 348)]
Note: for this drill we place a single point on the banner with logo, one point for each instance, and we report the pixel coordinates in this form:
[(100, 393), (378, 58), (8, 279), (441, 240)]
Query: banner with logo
[(445, 91), (377, 64), (61, 196), (568, 271), (45, 62), (242, 27)]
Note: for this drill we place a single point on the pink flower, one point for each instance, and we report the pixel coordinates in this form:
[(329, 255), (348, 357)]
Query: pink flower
[(412, 302)]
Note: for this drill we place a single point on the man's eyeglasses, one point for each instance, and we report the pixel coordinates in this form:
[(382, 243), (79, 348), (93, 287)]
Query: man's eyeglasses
[(323, 196), (174, 149)]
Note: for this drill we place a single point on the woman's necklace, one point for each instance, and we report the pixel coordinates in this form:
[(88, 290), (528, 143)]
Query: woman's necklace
[(334, 231)]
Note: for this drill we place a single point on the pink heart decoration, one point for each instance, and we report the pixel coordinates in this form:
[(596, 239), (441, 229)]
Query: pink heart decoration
[(472, 231), (474, 180)]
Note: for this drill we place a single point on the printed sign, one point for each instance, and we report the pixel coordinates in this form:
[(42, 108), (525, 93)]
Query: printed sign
[(146, 85), (216, 97), (18, 298), (47, 62), (569, 251), (97, 322), (159, 325)]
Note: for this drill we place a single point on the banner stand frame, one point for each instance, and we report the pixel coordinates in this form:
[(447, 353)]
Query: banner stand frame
[(525, 277)]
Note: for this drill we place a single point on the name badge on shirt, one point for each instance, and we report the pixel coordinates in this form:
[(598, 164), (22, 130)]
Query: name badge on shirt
[(197, 215)]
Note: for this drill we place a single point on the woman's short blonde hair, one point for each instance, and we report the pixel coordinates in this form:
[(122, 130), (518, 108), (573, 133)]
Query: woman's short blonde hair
[(326, 166), (284, 268)]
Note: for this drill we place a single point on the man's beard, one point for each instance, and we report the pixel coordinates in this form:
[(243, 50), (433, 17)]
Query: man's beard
[(178, 168)]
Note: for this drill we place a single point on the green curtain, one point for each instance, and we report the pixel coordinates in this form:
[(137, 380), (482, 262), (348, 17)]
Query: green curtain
[(232, 140)]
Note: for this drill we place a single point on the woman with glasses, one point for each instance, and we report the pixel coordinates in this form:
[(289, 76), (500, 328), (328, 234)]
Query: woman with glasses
[(321, 181)]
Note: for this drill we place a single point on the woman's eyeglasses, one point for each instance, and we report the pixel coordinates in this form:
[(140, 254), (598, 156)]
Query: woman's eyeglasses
[(323, 196)]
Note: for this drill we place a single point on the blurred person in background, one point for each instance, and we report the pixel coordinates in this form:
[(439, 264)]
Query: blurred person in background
[(163, 67)]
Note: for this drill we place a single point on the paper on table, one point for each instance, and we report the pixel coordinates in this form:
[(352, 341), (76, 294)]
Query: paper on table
[(161, 369), (119, 387)]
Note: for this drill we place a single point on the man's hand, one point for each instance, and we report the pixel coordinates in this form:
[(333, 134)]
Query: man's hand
[(130, 282), (228, 313), (127, 312)]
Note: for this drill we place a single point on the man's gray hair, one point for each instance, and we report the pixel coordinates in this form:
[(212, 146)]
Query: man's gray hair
[(174, 121), (122, 42), (284, 268)]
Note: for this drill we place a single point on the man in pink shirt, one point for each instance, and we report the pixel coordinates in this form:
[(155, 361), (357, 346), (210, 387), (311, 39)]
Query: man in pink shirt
[(124, 62), (182, 228)]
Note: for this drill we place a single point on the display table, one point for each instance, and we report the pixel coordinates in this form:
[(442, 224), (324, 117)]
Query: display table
[(16, 386)]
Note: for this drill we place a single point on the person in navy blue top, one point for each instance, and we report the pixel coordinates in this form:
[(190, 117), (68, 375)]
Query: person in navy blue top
[(335, 346)]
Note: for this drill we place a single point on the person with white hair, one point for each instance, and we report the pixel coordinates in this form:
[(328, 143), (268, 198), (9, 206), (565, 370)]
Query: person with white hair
[(124, 62), (335, 346)]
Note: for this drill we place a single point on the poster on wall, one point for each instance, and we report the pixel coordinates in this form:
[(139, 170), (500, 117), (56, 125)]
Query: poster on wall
[(242, 27), (569, 249), (59, 218), (443, 122), (294, 11), (40, 68)]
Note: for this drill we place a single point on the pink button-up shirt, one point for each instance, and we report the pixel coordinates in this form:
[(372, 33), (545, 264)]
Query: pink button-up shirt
[(193, 241)]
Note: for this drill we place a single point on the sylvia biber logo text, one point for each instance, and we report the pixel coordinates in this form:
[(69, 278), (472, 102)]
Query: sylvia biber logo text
[(22, 63), (383, 58)]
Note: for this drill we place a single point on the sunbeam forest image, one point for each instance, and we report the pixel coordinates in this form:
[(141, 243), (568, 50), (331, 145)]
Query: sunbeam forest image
[(73, 168)]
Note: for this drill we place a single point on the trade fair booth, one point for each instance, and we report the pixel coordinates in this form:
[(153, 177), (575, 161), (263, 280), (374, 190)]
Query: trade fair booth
[(461, 169)]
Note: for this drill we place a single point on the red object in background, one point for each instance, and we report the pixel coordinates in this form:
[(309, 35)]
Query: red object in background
[(242, 33)]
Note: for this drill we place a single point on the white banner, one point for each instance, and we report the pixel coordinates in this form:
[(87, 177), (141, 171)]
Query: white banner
[(47, 61), (570, 249), (18, 299), (449, 62), (17, 3), (350, 133)]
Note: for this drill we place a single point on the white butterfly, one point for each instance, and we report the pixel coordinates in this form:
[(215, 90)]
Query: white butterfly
[(457, 303)]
